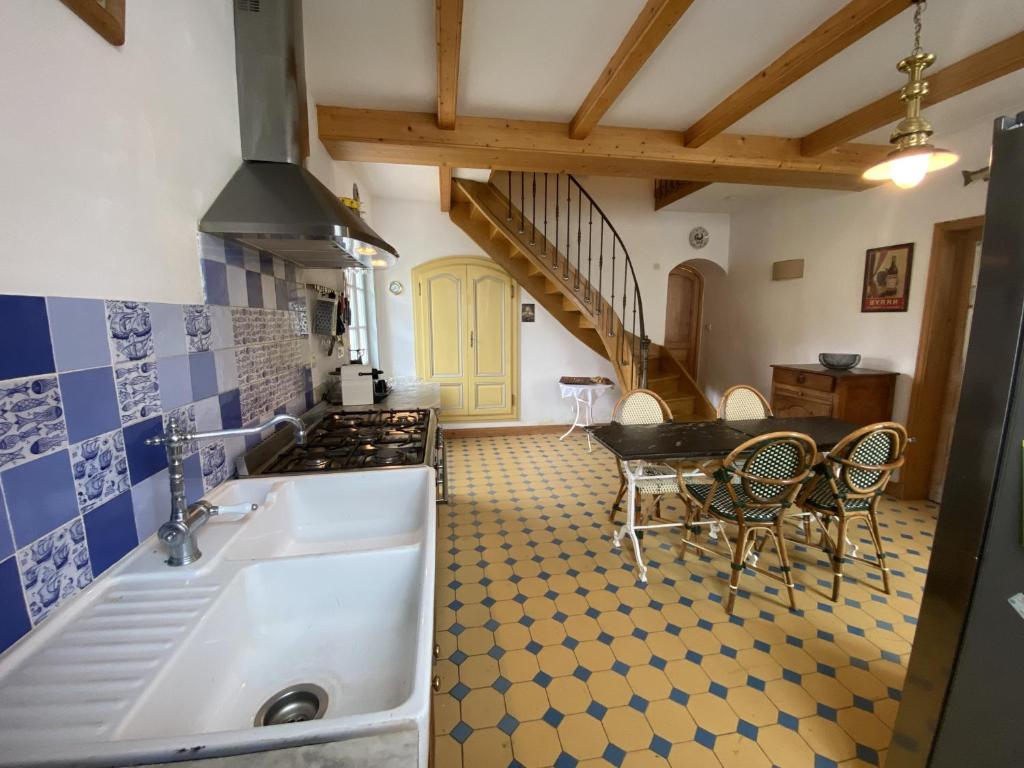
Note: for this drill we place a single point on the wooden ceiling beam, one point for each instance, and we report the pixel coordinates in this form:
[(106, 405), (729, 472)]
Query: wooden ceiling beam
[(449, 43), (977, 69), (667, 191), (846, 26), (383, 136), (444, 174), (652, 25)]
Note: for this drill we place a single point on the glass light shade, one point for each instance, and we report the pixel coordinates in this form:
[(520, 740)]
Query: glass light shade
[(906, 167)]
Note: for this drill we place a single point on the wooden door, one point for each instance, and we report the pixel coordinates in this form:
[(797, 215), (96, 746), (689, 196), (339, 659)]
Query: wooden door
[(467, 337), (683, 317)]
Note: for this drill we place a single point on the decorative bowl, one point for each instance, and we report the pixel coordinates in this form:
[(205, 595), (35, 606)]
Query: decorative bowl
[(838, 362)]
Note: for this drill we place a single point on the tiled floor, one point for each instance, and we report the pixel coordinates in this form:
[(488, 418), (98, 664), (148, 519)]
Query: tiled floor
[(552, 654)]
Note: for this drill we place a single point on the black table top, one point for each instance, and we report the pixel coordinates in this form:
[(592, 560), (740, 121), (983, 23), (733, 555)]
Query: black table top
[(709, 439)]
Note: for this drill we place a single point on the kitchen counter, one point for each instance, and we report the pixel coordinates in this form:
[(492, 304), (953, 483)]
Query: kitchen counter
[(408, 396)]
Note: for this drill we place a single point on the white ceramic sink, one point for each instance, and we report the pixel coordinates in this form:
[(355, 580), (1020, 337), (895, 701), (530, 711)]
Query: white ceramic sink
[(329, 582)]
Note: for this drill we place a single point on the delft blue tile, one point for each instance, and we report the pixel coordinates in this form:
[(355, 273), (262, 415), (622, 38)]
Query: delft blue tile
[(290, 272), (90, 403), (204, 375), (266, 263), (281, 290), (40, 496), (230, 409), (267, 283), (207, 414), (168, 329), (215, 283), (6, 542), (28, 351), (252, 259), (215, 467), (144, 461), (31, 419), (78, 329), (198, 328), (233, 254), (175, 382), (110, 531), (193, 479), (254, 288), (278, 268), (238, 291), (225, 361), (13, 616), (54, 569), (138, 390), (99, 466), (223, 335), (211, 247), (185, 416), (151, 503), (131, 331)]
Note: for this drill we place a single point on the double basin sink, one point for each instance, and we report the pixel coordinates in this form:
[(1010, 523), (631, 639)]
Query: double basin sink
[(317, 604)]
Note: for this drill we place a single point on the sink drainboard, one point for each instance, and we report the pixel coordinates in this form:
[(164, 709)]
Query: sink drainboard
[(294, 704)]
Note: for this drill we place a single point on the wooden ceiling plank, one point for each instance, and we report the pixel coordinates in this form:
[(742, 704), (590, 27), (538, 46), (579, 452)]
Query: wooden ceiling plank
[(445, 178), (667, 191), (848, 25), (449, 43), (650, 28), (977, 69), (522, 145)]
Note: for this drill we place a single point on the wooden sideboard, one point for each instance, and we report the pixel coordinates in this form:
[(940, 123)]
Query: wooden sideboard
[(859, 396)]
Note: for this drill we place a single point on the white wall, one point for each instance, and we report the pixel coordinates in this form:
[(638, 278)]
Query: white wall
[(421, 232), (792, 321), (110, 155)]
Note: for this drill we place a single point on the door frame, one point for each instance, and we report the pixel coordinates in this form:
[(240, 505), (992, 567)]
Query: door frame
[(699, 323), (946, 296), (418, 346)]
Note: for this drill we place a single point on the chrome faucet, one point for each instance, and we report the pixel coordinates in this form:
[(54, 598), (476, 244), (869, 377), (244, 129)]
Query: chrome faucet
[(179, 533)]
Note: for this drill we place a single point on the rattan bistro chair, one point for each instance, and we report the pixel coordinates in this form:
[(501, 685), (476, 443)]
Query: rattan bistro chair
[(743, 402), (752, 489), (847, 487), (642, 406)]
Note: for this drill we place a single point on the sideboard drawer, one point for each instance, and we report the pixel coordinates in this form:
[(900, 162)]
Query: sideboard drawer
[(804, 379), (785, 402)]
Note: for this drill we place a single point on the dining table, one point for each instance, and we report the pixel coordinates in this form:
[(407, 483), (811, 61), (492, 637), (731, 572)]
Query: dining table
[(641, 447)]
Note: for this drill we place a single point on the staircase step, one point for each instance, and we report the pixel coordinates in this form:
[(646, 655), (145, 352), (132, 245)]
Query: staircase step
[(681, 406), (586, 321), (569, 305), (551, 287)]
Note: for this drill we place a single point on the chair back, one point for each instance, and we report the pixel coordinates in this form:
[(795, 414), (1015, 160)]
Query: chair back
[(771, 468), (641, 406), (743, 402), (863, 462)]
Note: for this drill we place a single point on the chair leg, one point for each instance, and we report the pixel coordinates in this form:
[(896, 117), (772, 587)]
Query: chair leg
[(784, 563), (876, 537), (838, 553), (618, 500), (738, 552)]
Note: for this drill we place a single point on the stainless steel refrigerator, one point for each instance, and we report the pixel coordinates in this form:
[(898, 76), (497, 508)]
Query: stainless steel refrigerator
[(963, 700)]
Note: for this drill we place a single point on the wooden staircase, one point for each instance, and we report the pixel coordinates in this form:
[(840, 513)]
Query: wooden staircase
[(577, 295)]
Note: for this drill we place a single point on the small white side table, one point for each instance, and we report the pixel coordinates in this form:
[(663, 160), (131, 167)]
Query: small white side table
[(583, 396)]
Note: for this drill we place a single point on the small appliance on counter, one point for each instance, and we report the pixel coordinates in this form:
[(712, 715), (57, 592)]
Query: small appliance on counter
[(358, 385)]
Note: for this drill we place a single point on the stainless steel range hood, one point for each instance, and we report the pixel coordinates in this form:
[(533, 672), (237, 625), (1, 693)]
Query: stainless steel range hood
[(272, 203)]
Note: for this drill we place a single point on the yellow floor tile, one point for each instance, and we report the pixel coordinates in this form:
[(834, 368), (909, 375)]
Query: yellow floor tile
[(609, 689), (582, 736), (483, 708), (627, 728), (693, 755), (736, 751), (671, 721), (569, 695), (526, 701), (478, 671), (535, 744), (712, 713)]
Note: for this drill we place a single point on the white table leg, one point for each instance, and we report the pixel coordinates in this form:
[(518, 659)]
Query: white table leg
[(629, 527), (575, 418)]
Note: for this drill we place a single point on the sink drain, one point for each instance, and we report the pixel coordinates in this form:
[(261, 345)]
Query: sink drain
[(295, 704)]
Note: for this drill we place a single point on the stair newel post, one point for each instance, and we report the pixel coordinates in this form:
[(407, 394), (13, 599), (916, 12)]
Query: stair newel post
[(590, 251), (509, 196), (545, 214), (533, 215), (554, 256), (611, 320), (579, 237), (522, 202), (568, 228), (645, 349)]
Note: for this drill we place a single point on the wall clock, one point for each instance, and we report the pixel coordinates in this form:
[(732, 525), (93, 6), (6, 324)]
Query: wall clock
[(699, 237), (395, 287)]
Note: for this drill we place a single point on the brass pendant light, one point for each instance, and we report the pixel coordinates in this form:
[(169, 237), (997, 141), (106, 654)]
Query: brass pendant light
[(914, 156)]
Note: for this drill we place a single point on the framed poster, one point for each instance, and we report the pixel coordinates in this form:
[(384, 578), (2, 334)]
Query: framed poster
[(529, 313), (887, 278)]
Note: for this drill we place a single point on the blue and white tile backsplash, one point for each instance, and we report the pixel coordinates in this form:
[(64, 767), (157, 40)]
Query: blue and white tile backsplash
[(84, 382)]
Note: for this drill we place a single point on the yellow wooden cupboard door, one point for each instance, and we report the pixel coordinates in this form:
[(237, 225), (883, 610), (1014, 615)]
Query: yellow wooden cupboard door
[(490, 293), (443, 334)]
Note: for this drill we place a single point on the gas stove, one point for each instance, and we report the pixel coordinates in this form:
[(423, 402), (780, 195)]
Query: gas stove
[(342, 440)]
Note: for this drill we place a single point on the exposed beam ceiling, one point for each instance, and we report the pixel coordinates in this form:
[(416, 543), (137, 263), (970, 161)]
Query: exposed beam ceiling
[(445, 179), (449, 41), (413, 137), (977, 69), (848, 25), (667, 191), (653, 23)]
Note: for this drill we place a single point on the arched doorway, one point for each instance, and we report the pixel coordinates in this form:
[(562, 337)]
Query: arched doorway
[(683, 309)]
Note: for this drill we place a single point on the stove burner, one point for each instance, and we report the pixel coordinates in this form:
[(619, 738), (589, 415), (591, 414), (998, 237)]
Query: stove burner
[(404, 419), (368, 433), (395, 436), (387, 456), (314, 462)]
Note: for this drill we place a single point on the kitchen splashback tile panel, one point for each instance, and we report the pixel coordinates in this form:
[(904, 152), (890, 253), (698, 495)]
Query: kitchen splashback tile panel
[(54, 568), (31, 419)]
